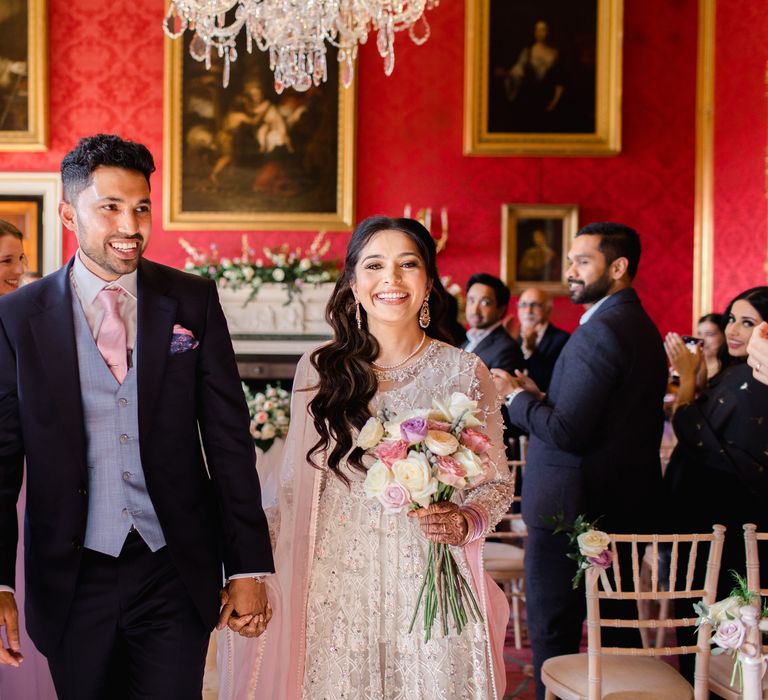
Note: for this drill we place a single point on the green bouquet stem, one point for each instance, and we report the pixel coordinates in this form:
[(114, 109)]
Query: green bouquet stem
[(444, 593)]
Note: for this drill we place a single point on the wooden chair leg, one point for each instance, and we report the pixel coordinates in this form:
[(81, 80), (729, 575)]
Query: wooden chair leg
[(516, 615), (549, 695)]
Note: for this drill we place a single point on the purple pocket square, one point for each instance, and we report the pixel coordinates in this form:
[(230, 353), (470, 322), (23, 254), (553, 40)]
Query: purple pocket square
[(182, 340)]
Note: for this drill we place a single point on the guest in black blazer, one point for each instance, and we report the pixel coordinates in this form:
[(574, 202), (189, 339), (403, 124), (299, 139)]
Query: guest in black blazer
[(594, 439), (487, 303), (540, 340)]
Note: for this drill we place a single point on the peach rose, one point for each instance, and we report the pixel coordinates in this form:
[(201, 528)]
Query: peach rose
[(440, 443)]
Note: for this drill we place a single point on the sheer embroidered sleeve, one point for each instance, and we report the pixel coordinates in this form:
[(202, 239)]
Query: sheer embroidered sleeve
[(487, 502)]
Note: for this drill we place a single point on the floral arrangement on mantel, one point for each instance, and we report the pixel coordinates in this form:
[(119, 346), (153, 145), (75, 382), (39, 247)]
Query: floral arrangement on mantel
[(731, 619), (270, 414), (280, 264)]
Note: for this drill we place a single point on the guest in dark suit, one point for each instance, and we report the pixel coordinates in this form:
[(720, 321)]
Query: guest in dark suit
[(594, 439), (540, 340), (118, 385), (487, 303)]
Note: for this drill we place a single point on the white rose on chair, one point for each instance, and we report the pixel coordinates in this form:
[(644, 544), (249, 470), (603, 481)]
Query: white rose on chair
[(726, 609), (593, 543)]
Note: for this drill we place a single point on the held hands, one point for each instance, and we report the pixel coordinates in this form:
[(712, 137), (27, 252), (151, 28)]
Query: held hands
[(245, 608), (757, 350), (442, 522), (506, 383), (10, 655)]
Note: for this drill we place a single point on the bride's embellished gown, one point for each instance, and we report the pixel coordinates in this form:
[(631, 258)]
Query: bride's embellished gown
[(368, 566), (348, 575)]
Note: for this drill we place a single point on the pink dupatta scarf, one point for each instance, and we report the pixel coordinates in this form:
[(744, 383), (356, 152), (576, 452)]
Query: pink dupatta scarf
[(273, 665)]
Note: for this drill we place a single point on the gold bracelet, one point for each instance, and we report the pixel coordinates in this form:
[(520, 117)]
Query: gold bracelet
[(469, 529)]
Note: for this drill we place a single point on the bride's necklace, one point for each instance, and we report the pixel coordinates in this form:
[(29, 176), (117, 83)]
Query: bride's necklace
[(398, 365)]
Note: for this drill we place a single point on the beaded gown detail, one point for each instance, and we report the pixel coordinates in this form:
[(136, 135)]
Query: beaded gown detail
[(368, 566)]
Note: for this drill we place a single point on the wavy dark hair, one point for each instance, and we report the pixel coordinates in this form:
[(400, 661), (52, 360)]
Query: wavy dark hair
[(757, 297), (347, 382)]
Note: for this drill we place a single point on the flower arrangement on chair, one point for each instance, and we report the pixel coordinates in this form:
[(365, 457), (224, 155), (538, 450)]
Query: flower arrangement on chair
[(591, 546), (732, 619)]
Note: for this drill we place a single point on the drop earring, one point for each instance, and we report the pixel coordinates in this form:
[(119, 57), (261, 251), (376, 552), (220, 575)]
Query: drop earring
[(424, 317), (358, 316)]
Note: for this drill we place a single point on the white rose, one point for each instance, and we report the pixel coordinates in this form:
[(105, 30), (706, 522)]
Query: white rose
[(441, 443), (593, 543), (473, 465), (722, 609), (305, 264), (248, 273), (415, 474), (371, 433), (458, 406), (189, 265), (226, 263), (376, 479), (278, 275), (268, 431)]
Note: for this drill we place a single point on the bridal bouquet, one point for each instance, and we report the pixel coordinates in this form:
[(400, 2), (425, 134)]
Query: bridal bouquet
[(423, 458)]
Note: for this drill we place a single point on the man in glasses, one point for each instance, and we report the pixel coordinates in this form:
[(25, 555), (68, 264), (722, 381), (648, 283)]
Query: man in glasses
[(540, 340)]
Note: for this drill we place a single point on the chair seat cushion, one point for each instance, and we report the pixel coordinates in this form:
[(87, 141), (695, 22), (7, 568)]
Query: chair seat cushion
[(720, 670), (502, 557), (624, 678)]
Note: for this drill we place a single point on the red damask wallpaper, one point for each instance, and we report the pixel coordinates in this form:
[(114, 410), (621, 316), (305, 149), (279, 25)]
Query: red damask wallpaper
[(741, 238), (106, 70)]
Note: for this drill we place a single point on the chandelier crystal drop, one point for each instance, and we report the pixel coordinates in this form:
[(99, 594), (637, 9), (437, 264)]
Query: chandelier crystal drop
[(296, 33)]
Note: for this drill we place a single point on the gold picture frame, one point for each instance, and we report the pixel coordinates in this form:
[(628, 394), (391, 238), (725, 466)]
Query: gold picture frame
[(535, 239), (305, 182), (23, 75), (567, 102)]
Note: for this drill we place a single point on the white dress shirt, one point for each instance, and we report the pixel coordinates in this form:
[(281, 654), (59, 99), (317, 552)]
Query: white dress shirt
[(475, 336)]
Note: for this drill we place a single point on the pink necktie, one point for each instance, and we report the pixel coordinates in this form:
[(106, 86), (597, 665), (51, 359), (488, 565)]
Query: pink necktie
[(112, 340)]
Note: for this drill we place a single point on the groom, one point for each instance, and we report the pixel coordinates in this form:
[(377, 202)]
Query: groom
[(119, 388)]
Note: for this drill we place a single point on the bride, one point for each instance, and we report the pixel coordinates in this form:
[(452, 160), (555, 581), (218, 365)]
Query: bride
[(348, 574)]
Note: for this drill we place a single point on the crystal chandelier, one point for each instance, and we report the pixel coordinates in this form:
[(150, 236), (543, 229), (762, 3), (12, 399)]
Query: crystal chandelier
[(296, 33)]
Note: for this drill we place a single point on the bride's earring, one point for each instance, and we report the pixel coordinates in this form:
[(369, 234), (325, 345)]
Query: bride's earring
[(424, 317), (358, 317)]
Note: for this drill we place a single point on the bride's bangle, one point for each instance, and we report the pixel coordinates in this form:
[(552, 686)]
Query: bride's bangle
[(470, 528)]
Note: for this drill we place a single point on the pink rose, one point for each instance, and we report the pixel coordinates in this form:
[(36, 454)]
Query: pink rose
[(390, 451), (413, 430), (261, 417), (475, 440), (451, 472), (603, 561), (730, 634), (394, 498), (445, 426)]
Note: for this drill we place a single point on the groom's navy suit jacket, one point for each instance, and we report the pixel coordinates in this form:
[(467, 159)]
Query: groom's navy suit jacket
[(190, 403), (594, 440)]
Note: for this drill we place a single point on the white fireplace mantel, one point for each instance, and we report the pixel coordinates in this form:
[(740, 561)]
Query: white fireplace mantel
[(269, 325)]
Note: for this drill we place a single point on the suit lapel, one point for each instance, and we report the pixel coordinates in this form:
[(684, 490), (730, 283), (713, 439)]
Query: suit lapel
[(155, 318), (54, 331), (487, 342)]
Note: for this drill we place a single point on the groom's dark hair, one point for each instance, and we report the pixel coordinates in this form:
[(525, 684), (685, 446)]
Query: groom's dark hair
[(102, 149)]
